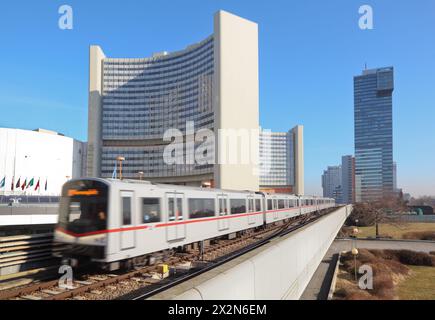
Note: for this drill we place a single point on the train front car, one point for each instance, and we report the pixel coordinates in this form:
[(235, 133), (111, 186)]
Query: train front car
[(83, 216)]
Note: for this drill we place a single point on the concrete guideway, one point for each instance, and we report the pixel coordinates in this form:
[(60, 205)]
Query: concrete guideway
[(280, 269), (318, 288), (28, 215)]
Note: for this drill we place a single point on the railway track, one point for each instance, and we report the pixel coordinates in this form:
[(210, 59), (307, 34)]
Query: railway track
[(144, 282)]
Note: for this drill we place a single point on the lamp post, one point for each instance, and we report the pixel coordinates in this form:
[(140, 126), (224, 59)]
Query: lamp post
[(355, 253), (120, 159), (354, 249), (140, 175)]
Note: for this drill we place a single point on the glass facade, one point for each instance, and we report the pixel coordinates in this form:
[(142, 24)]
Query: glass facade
[(331, 183), (373, 133), (347, 178), (142, 98)]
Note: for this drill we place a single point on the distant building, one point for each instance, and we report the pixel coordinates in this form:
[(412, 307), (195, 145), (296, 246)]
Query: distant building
[(422, 209), (331, 183), (38, 162), (395, 176), (348, 178), (407, 196), (373, 134), (282, 161)]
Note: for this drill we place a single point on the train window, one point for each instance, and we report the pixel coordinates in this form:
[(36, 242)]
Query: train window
[(175, 213), (81, 210), (126, 211), (281, 204), (238, 206), (250, 205), (201, 208), (223, 210), (150, 210), (257, 205), (269, 204)]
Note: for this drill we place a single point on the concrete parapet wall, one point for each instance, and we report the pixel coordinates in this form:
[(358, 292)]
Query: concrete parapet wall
[(278, 270), (28, 215)]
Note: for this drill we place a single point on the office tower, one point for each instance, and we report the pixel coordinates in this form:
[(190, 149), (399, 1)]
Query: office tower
[(373, 134), (331, 183)]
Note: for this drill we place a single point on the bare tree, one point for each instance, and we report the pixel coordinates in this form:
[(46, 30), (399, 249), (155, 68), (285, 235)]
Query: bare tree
[(384, 210)]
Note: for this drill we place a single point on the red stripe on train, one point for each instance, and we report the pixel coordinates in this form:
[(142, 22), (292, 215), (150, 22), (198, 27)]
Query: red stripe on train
[(168, 224)]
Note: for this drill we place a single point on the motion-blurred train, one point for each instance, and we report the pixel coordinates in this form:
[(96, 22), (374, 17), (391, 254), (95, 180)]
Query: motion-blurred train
[(117, 223)]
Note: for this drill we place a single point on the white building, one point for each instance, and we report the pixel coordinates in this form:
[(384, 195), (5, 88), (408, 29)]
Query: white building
[(282, 161), (42, 159)]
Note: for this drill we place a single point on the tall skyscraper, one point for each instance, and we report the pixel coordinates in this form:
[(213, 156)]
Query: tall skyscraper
[(134, 101), (281, 161), (395, 176), (373, 134), (331, 183), (348, 179)]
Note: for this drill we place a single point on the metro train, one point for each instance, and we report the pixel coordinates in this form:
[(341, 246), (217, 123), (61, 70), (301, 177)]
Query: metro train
[(117, 223)]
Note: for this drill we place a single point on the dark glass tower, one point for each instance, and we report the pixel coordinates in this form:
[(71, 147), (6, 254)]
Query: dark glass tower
[(373, 134)]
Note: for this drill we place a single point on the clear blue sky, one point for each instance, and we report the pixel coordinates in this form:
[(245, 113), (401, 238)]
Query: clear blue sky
[(309, 52)]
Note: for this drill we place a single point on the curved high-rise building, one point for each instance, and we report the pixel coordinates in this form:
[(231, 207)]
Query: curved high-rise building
[(133, 101)]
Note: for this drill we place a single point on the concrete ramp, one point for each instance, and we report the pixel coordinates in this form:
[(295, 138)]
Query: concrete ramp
[(278, 270)]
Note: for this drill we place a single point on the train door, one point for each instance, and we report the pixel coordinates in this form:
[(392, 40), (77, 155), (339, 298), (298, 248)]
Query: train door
[(224, 223), (128, 240), (176, 230), (275, 208), (251, 209)]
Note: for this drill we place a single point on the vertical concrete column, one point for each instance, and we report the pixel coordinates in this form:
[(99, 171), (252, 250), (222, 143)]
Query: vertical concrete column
[(96, 57), (236, 101), (299, 159)]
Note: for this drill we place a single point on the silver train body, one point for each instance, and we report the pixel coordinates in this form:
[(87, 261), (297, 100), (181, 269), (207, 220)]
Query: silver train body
[(109, 221)]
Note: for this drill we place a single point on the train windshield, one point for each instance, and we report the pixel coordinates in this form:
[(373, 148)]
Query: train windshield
[(83, 206)]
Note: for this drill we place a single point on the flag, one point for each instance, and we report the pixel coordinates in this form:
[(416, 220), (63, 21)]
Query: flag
[(114, 172), (46, 181), (12, 184), (30, 184), (3, 182), (37, 185), (18, 183), (24, 184)]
